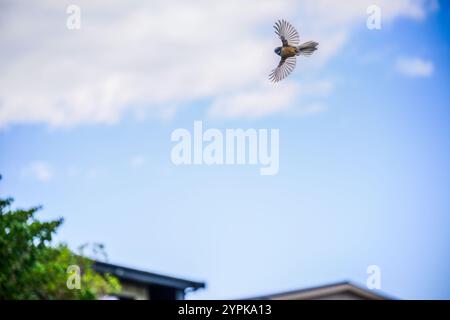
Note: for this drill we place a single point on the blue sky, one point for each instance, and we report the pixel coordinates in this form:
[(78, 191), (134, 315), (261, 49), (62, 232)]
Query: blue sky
[(86, 117)]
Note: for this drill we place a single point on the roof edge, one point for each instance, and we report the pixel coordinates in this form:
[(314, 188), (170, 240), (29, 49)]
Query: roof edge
[(333, 287), (146, 277)]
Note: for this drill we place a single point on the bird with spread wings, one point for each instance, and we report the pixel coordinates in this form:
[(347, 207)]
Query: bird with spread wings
[(289, 50)]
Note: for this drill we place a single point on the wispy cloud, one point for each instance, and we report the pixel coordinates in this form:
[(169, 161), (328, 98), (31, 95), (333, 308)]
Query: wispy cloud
[(311, 109), (137, 161), (38, 170), (268, 99), (260, 102), (414, 67), (132, 57)]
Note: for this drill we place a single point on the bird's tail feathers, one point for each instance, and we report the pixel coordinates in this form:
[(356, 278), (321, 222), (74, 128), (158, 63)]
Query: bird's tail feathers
[(307, 48)]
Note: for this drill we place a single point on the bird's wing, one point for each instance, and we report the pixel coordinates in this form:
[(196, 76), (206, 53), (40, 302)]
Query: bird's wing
[(287, 33), (283, 69)]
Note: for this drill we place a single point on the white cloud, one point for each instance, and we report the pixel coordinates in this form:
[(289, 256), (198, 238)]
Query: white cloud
[(38, 170), (414, 67), (140, 57)]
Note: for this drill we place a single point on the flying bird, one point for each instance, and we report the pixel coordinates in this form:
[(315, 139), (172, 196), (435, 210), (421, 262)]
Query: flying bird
[(290, 50)]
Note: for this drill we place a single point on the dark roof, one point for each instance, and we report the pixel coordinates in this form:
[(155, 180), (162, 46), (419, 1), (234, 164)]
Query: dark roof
[(145, 277), (324, 290)]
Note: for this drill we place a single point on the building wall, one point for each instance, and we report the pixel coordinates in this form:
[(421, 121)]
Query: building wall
[(134, 291)]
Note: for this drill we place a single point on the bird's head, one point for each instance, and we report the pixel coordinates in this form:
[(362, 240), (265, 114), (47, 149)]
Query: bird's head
[(277, 50)]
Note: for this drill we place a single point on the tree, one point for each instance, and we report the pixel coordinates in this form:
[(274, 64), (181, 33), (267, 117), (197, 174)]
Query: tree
[(32, 268)]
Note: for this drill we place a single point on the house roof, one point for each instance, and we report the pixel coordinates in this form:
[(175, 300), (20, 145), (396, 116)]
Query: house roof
[(145, 277), (322, 292)]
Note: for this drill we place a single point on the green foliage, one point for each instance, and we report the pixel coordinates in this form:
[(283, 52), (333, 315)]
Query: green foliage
[(31, 268)]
